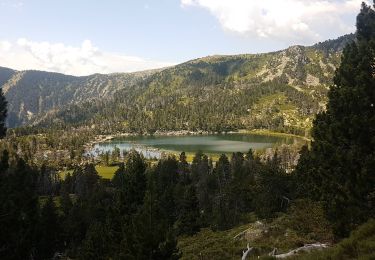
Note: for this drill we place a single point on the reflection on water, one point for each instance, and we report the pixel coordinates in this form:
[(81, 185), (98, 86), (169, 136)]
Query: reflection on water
[(154, 146)]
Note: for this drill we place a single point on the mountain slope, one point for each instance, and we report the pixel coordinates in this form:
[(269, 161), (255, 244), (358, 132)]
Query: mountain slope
[(33, 93), (280, 91), (5, 75)]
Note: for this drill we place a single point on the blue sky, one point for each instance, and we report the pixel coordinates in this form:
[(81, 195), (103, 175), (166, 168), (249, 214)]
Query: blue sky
[(82, 37)]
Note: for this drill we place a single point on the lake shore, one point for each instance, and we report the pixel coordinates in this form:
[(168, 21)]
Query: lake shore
[(187, 133), (104, 138), (272, 133)]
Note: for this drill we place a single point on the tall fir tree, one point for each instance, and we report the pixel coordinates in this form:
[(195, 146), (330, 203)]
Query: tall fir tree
[(98, 243), (340, 168), (48, 231), (130, 181), (189, 216), (18, 212)]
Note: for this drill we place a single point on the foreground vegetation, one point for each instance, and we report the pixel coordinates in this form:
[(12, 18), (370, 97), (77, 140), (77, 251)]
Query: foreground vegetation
[(208, 244), (360, 245)]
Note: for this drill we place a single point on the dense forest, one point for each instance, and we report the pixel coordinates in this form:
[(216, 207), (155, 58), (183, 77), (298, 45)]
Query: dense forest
[(172, 209)]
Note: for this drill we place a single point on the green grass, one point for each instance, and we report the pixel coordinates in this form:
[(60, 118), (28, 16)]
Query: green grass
[(272, 98), (189, 156), (271, 133), (106, 172), (62, 174)]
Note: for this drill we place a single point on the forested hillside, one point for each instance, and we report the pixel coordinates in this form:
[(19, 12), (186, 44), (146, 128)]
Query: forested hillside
[(280, 91), (33, 93)]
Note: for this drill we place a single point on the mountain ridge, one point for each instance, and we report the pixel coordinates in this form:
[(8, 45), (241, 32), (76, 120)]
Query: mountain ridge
[(37, 97)]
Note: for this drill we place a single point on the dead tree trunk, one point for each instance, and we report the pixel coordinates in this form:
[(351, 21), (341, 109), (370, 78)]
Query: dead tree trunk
[(247, 252), (305, 248)]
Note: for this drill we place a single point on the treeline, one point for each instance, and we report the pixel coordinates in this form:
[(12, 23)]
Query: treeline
[(51, 147), (140, 212)]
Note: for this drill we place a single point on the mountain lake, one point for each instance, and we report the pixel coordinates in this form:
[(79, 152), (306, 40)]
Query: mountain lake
[(213, 144)]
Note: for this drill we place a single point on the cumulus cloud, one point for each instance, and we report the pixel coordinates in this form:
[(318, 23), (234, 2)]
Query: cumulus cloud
[(288, 20), (13, 4), (74, 60)]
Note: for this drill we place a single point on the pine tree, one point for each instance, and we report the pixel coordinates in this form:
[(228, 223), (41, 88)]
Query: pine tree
[(188, 219), (223, 213), (149, 227), (66, 203), (271, 190), (119, 177), (48, 234), (98, 243), (183, 165), (223, 172), (85, 180), (341, 164), (165, 179), (130, 180), (18, 212)]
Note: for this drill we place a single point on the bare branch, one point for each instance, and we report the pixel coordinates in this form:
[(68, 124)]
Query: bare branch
[(247, 252), (305, 248)]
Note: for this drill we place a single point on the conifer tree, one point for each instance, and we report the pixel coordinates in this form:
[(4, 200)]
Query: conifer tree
[(130, 180), (66, 203), (223, 171), (183, 165), (48, 234), (188, 219), (97, 243), (341, 165), (18, 212)]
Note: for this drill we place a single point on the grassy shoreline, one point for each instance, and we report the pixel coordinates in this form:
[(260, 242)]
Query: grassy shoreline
[(272, 133)]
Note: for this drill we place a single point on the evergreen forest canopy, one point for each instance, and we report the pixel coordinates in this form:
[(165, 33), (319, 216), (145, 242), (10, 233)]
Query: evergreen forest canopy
[(148, 209)]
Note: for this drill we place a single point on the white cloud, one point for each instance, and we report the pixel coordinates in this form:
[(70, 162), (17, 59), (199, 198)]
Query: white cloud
[(286, 20), (12, 3), (74, 60), (5, 46)]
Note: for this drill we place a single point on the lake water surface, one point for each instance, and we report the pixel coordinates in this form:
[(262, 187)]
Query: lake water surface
[(154, 146)]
